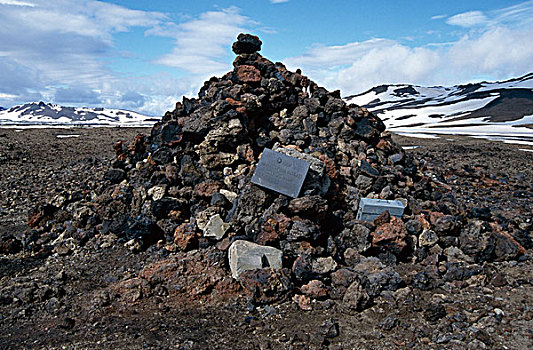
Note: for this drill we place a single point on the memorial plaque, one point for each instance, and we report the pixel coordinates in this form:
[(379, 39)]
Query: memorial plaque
[(281, 173), (370, 208)]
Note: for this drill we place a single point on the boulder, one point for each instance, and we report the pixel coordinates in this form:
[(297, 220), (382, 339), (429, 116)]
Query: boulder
[(356, 298), (244, 256), (315, 289), (246, 44), (391, 236), (267, 285)]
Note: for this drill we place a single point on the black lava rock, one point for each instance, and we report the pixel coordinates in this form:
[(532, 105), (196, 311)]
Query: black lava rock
[(246, 44), (115, 175), (434, 312)]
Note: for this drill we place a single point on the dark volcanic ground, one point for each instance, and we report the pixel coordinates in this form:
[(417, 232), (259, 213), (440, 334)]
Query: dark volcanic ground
[(67, 301)]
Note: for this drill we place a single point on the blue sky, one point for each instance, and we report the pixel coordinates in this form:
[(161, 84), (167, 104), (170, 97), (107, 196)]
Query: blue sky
[(145, 55)]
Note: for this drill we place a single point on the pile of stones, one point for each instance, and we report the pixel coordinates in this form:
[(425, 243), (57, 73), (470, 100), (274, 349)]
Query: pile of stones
[(188, 187)]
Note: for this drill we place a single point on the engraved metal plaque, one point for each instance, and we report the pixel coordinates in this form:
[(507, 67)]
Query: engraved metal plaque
[(281, 173)]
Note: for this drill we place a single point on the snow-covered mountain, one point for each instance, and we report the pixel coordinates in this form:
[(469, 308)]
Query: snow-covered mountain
[(485, 109), (46, 114)]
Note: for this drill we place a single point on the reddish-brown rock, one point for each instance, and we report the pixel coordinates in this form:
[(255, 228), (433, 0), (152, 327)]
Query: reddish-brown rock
[(248, 74), (382, 219), (330, 166), (274, 228), (423, 221), (186, 236), (505, 246), (391, 235), (384, 145), (132, 290), (38, 217), (434, 216), (303, 302), (207, 188), (195, 275), (340, 281), (246, 152), (315, 289), (266, 285)]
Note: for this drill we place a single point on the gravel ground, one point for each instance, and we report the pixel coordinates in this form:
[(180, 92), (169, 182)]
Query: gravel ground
[(68, 301)]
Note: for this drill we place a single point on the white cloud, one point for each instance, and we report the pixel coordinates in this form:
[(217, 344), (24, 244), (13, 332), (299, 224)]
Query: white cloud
[(158, 92), (58, 51), (77, 95), (521, 14), (16, 3), (202, 43), (438, 17), (319, 55), (278, 1), (496, 44), (468, 19), (358, 66), (7, 96), (17, 78), (499, 52), (66, 40)]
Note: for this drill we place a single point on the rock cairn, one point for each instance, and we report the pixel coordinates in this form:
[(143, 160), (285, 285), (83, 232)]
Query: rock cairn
[(186, 187)]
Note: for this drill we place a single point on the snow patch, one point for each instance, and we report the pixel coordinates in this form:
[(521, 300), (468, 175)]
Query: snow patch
[(417, 135), (412, 109), (45, 115), (67, 136)]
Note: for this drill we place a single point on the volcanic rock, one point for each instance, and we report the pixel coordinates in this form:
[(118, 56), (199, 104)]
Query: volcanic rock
[(356, 298), (434, 312), (187, 186), (302, 268), (186, 236), (428, 238), (215, 228), (244, 255), (477, 241), (267, 285), (324, 265), (9, 245), (115, 175), (315, 289), (391, 236), (248, 74), (329, 328), (246, 44)]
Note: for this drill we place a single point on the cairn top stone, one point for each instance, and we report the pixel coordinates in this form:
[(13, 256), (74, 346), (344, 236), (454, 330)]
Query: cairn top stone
[(246, 44)]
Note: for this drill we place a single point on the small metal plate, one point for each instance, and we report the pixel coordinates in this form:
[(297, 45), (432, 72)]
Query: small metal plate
[(370, 208), (281, 173)]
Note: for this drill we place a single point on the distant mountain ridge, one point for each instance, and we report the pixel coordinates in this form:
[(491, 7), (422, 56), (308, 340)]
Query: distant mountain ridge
[(488, 108), (48, 114)]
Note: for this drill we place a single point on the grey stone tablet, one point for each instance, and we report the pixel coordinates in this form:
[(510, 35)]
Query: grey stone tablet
[(281, 173), (370, 208)]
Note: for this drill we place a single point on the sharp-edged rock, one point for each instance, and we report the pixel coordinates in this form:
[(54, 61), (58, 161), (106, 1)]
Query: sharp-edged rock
[(244, 256)]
